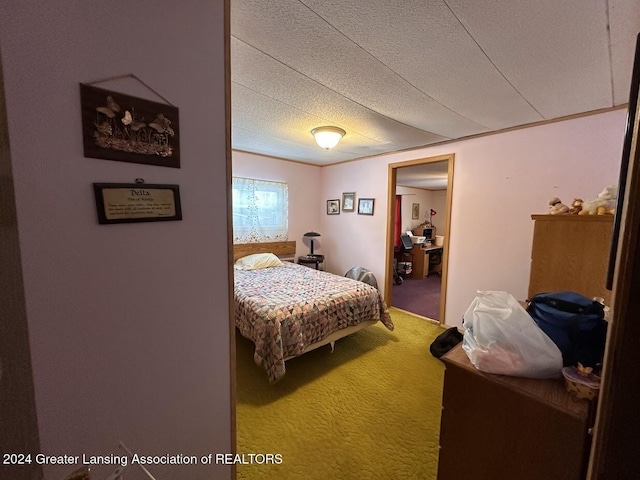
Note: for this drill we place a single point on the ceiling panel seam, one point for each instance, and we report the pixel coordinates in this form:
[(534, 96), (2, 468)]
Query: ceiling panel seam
[(490, 60), (337, 93), (392, 70), (305, 111), (313, 114)]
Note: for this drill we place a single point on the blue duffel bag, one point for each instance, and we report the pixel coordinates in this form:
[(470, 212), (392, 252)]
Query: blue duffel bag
[(574, 322)]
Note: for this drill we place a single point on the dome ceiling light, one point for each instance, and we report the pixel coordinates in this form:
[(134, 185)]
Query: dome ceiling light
[(328, 137)]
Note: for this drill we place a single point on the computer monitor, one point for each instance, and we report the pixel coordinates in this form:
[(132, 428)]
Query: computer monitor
[(427, 233), (407, 244)]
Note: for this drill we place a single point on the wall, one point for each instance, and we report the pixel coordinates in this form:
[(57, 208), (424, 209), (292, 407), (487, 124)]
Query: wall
[(128, 324), (304, 192), (350, 239), (409, 197), (499, 181)]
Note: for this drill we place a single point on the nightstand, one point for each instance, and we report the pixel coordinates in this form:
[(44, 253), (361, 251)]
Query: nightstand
[(311, 260)]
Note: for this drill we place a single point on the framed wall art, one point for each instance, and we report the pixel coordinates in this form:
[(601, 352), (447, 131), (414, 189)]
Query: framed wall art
[(415, 211), (348, 201), (365, 206), (120, 127), (333, 207), (136, 202)]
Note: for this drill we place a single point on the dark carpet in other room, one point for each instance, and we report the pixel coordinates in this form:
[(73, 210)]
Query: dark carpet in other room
[(419, 296)]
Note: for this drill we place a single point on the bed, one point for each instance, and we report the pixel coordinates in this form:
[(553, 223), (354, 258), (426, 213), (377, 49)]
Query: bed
[(290, 309)]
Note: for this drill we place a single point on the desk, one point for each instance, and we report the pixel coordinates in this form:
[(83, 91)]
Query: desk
[(311, 260), (420, 257)]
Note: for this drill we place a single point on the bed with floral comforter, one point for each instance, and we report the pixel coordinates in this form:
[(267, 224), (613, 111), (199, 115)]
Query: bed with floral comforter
[(285, 309)]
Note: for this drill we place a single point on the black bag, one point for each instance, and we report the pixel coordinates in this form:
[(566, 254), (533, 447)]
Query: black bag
[(574, 322), (445, 342)]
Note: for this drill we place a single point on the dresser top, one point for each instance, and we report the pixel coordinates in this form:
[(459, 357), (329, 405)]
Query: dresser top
[(571, 218), (546, 391)]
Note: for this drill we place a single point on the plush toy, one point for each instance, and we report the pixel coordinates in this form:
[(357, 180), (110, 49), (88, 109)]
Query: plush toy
[(604, 204), (576, 206), (556, 207)]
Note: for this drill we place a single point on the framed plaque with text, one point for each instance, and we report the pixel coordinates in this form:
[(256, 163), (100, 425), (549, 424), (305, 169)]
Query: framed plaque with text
[(137, 202)]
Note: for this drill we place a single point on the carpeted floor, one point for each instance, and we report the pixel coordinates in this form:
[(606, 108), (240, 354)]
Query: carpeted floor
[(369, 410), (419, 296)]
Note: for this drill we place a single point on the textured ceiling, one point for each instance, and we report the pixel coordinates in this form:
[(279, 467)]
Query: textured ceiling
[(400, 74)]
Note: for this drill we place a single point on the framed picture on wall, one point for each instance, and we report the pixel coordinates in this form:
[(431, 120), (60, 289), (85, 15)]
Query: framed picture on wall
[(348, 201), (123, 128), (333, 207), (415, 211), (365, 206)]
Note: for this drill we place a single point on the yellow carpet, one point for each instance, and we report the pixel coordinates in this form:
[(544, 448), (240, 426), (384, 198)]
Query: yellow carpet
[(370, 410)]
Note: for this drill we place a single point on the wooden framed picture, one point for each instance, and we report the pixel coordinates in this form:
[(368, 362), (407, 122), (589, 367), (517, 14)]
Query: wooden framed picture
[(349, 202), (135, 202), (415, 211), (129, 129), (365, 206), (333, 207)]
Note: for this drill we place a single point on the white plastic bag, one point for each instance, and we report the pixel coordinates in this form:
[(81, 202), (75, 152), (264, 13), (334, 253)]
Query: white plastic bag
[(501, 337)]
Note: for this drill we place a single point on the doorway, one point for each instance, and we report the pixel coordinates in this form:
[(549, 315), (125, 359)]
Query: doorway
[(420, 193)]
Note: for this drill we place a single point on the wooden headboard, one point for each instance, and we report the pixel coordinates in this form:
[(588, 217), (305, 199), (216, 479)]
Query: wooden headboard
[(281, 249)]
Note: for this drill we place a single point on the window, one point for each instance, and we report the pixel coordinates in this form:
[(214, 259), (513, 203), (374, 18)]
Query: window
[(260, 210)]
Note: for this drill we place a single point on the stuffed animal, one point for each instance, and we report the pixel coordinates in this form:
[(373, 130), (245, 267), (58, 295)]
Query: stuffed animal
[(576, 206), (605, 203), (556, 207)]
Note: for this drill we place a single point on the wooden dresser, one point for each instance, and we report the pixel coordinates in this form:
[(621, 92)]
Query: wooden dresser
[(499, 427), (571, 252)]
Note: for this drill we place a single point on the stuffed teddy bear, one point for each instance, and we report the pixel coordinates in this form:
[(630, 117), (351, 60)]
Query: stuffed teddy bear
[(556, 207), (605, 203), (576, 206)]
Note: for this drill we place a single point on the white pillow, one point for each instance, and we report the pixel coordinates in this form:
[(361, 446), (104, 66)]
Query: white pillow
[(257, 261)]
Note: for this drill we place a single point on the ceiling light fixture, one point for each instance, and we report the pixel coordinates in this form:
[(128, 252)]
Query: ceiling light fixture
[(328, 137)]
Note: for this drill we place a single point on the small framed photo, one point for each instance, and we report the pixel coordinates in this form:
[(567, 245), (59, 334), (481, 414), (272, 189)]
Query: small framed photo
[(365, 206), (415, 211), (333, 207), (348, 201)]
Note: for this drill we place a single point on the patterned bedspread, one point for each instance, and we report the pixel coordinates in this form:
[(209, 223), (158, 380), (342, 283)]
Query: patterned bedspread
[(285, 309)]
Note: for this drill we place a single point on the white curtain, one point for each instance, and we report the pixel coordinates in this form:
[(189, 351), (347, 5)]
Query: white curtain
[(260, 210)]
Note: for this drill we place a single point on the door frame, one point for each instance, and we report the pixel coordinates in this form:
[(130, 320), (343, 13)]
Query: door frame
[(391, 214), (614, 448)]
